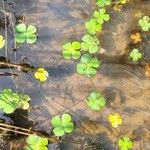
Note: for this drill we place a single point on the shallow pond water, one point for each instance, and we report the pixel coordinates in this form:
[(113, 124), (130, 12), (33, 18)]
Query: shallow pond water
[(122, 82)]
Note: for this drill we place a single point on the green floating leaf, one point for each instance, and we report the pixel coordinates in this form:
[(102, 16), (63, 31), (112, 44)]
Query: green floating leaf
[(90, 43), (95, 101), (72, 50), (102, 3), (135, 55), (10, 101), (24, 33), (62, 125), (125, 143), (35, 142), (145, 23), (88, 65), (93, 26), (101, 16)]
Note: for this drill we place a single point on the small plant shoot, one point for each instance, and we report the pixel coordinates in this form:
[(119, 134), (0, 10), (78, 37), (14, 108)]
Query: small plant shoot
[(145, 23), (95, 101), (10, 101), (72, 50), (2, 42), (93, 26), (88, 66), (90, 43), (135, 55), (25, 33), (125, 143), (101, 16), (103, 3), (35, 142), (62, 124)]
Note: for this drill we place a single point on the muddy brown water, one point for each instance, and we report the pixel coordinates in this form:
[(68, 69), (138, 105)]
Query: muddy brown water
[(123, 83)]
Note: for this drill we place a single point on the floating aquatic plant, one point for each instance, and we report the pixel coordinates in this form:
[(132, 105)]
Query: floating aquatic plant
[(135, 55), (88, 65), (136, 38), (125, 143), (101, 16), (35, 142), (93, 26), (41, 74), (90, 43), (145, 23), (102, 3), (115, 120), (10, 101), (95, 101), (2, 42), (25, 33), (62, 125), (72, 50)]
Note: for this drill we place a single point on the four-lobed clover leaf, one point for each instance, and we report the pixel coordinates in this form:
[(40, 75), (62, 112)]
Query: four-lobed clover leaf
[(93, 26), (62, 125), (10, 101), (101, 16), (95, 101), (125, 143), (90, 43), (115, 120), (72, 50), (88, 65), (102, 3), (35, 142), (145, 23), (41, 74), (135, 55), (25, 33)]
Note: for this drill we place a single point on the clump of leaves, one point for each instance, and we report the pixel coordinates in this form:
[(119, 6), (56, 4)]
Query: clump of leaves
[(145, 23), (136, 38), (88, 65), (90, 43), (135, 55), (25, 33), (93, 26), (62, 125), (102, 3), (95, 101), (2, 42), (35, 142), (125, 143), (101, 16), (41, 74), (10, 101), (72, 50)]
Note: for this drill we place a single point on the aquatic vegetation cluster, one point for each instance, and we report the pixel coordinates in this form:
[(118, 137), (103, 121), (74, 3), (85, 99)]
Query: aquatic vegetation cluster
[(87, 66), (35, 142), (10, 101)]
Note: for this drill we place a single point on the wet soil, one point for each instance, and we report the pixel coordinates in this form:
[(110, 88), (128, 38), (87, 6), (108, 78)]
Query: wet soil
[(123, 83)]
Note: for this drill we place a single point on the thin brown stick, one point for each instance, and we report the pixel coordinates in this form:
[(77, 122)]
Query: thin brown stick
[(23, 131), (10, 65)]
